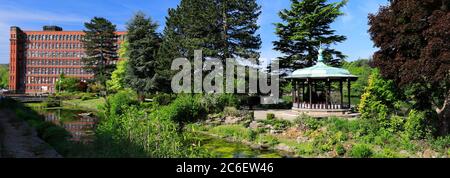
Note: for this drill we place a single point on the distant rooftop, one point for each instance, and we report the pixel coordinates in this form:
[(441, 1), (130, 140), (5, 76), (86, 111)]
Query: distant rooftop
[(52, 28)]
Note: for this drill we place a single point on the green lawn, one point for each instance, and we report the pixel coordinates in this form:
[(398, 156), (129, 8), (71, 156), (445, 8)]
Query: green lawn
[(85, 104)]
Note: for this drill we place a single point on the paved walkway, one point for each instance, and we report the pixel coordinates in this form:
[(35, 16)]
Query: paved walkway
[(18, 140), (283, 114)]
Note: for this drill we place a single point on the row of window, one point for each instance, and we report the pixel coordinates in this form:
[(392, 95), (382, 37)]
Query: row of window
[(55, 46), (62, 37), (55, 37), (44, 80), (40, 62), (57, 71), (59, 54)]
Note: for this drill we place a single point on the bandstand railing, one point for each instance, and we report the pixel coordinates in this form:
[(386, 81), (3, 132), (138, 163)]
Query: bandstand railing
[(319, 106)]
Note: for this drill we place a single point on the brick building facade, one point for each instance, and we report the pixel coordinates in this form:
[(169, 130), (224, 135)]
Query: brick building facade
[(37, 58)]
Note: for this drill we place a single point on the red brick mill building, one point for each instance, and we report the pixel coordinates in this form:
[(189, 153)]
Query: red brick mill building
[(37, 58)]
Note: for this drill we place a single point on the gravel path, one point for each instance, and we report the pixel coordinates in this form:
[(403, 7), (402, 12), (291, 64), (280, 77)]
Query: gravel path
[(18, 140)]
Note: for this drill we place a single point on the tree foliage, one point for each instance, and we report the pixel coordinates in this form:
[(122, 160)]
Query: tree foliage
[(378, 99), (101, 49), (305, 26), (70, 84), (4, 76), (220, 28), (362, 69), (117, 81), (144, 44), (414, 51)]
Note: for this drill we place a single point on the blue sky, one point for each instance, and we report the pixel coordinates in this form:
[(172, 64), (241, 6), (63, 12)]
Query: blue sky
[(70, 14)]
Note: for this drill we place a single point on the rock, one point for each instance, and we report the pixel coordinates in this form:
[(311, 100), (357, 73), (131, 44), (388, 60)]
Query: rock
[(302, 139), (275, 131), (284, 147), (255, 125), (429, 154), (255, 146), (404, 152), (232, 120)]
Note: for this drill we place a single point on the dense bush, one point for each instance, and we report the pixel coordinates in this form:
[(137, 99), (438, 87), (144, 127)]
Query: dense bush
[(278, 124), (69, 84), (340, 150), (231, 111), (163, 99), (215, 103), (361, 151), (185, 109), (116, 104), (378, 99), (416, 126), (270, 116)]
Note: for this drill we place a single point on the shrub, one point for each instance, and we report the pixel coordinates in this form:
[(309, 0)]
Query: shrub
[(231, 111), (441, 143), (396, 123), (215, 103), (116, 104), (415, 126), (340, 149), (269, 140), (185, 109), (270, 116), (163, 99), (313, 123), (278, 124), (70, 84), (361, 151), (378, 99), (52, 102), (95, 88)]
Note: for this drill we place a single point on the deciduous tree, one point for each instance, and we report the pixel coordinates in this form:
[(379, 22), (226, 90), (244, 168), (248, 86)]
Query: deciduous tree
[(414, 50)]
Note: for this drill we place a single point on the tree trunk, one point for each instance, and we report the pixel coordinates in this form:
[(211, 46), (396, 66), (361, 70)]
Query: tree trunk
[(444, 116)]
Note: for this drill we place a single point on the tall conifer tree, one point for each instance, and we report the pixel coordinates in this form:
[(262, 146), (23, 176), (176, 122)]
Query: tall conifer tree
[(144, 44), (305, 26), (100, 43)]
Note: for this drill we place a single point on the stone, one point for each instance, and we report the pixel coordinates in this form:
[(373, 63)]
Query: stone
[(302, 139), (255, 125), (232, 120), (284, 147), (404, 152), (429, 154), (275, 131)]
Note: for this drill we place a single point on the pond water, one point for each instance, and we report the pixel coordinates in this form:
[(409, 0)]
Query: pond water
[(81, 125), (221, 148)]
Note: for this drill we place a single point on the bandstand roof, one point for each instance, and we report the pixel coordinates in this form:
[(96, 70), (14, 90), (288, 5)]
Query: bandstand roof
[(322, 71)]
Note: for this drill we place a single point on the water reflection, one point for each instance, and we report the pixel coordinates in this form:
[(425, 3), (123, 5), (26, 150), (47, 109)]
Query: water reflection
[(79, 124)]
